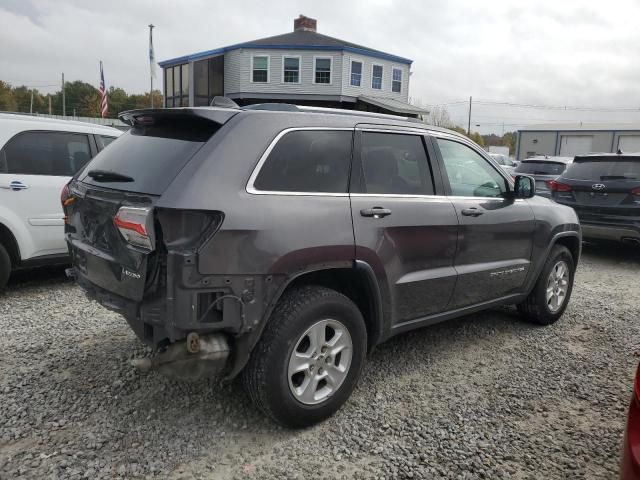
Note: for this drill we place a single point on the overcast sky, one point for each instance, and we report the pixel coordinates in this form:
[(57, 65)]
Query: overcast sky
[(549, 52)]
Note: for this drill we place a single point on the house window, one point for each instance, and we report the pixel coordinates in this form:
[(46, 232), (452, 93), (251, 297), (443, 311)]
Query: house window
[(376, 77), (322, 70), (396, 84), (176, 86), (260, 72), (356, 73), (291, 72)]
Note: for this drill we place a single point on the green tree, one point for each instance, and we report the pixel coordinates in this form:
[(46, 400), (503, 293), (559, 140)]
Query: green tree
[(7, 100)]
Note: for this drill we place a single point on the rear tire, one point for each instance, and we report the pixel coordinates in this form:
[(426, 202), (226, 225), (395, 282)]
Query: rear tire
[(309, 358), (549, 298), (5, 267)]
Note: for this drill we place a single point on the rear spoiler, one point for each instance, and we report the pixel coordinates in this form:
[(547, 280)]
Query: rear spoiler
[(608, 157), (213, 114)]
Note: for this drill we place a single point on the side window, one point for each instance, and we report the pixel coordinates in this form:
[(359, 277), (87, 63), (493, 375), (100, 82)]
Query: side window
[(46, 153), (394, 163), (308, 161), (470, 175), (106, 140)]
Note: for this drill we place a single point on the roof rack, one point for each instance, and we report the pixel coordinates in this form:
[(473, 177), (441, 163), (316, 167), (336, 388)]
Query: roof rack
[(290, 107)]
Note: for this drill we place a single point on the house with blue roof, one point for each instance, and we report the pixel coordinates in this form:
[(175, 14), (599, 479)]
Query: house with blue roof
[(302, 67)]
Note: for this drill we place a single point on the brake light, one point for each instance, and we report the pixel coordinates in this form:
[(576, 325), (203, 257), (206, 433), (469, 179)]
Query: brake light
[(635, 192), (636, 385), (136, 226), (65, 195), (557, 186)]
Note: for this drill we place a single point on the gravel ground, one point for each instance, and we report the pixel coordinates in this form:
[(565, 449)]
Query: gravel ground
[(487, 396)]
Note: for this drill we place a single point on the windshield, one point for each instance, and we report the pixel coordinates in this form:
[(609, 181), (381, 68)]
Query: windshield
[(541, 168), (604, 170)]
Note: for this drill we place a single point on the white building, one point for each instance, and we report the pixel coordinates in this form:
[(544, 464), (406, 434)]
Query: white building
[(568, 140), (302, 67)]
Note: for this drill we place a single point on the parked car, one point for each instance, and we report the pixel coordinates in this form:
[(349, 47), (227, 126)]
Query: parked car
[(504, 161), (37, 157), (287, 242), (630, 465), (543, 168), (604, 190)]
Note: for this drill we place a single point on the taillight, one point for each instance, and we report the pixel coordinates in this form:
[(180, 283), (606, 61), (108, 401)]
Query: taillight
[(65, 195), (136, 226), (557, 186), (636, 192), (636, 384)]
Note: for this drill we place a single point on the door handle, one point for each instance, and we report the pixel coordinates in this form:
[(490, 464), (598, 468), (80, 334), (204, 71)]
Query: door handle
[(14, 185), (471, 212), (375, 212)]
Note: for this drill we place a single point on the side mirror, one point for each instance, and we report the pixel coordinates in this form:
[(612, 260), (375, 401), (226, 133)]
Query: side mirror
[(525, 187)]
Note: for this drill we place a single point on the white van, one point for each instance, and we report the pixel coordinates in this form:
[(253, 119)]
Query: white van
[(38, 156)]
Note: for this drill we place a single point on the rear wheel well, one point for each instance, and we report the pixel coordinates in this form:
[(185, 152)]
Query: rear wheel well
[(353, 284), (8, 241), (573, 244)]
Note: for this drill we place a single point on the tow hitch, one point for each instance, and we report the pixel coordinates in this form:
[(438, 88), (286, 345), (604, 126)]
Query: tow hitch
[(197, 357)]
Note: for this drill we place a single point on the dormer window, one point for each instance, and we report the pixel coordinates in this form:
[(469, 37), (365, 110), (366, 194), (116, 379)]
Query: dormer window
[(260, 69)]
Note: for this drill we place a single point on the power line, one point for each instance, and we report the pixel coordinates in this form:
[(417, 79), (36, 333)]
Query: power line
[(558, 107)]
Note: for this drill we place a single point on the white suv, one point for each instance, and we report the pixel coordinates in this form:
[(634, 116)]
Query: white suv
[(38, 156)]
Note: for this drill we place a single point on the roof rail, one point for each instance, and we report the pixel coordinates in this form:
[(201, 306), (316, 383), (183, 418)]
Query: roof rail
[(290, 107)]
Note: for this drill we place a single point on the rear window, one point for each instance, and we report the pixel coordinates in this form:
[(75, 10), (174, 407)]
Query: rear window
[(604, 170), (308, 161), (152, 155), (541, 168)]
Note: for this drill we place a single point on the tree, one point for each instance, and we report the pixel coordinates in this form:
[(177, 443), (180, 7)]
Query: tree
[(439, 117), (7, 100)]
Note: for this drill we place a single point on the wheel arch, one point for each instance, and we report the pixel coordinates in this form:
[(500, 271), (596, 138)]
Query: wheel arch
[(9, 242), (357, 283)]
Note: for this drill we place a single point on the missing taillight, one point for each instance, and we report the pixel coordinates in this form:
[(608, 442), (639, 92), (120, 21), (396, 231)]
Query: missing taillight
[(136, 226)]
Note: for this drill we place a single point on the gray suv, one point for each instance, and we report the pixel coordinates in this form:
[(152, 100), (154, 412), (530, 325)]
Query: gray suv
[(287, 242)]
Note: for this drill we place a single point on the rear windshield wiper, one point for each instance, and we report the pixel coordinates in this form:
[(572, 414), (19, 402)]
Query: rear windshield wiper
[(107, 176)]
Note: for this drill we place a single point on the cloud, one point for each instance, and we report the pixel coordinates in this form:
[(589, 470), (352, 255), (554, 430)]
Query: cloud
[(573, 52)]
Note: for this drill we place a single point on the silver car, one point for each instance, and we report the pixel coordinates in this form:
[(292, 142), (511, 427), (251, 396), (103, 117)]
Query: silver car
[(543, 168), (505, 162)]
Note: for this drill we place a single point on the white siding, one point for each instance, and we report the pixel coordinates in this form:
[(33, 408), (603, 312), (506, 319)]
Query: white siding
[(232, 71), (365, 84), (242, 68)]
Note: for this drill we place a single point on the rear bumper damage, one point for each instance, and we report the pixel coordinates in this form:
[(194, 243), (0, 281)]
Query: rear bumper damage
[(221, 314)]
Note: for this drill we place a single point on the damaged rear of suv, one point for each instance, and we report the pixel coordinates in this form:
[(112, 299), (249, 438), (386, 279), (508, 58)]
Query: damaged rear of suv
[(286, 242)]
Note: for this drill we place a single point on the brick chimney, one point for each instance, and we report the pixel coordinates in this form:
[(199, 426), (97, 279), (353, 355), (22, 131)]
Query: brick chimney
[(305, 24)]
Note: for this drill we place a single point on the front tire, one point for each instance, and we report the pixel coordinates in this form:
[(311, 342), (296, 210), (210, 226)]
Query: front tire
[(309, 358), (549, 298), (5, 267)]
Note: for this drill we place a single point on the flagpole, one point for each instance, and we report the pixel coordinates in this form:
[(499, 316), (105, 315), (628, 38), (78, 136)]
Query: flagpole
[(151, 66)]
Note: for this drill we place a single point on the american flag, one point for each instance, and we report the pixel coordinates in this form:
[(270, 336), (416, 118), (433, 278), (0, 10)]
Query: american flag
[(104, 101)]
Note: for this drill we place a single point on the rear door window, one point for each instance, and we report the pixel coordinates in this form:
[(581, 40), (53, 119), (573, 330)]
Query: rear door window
[(541, 168), (151, 155), (105, 140), (394, 164), (45, 153), (604, 170), (308, 161)]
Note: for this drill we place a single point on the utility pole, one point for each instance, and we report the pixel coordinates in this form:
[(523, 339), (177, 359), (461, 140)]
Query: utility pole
[(151, 62), (49, 96), (64, 104), (31, 104), (469, 125)]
